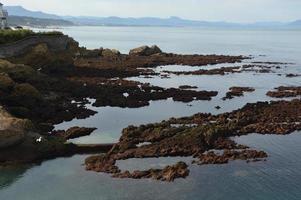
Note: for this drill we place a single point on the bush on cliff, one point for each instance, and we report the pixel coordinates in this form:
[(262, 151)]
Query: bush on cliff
[(9, 36)]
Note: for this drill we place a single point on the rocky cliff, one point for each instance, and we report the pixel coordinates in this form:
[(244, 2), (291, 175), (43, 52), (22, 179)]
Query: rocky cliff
[(54, 42), (12, 130)]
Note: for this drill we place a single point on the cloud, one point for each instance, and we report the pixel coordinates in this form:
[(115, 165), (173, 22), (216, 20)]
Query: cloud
[(213, 10)]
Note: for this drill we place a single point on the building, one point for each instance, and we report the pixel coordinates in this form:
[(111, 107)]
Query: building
[(3, 17)]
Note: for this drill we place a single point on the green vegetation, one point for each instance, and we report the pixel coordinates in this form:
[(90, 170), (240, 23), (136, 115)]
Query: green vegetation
[(8, 36)]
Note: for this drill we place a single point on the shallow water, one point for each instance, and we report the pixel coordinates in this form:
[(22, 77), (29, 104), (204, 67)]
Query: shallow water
[(278, 178)]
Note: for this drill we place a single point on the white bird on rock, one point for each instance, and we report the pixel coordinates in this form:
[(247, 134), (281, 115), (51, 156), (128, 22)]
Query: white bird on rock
[(39, 140)]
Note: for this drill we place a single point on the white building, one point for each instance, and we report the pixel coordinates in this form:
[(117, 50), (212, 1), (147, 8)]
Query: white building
[(3, 17)]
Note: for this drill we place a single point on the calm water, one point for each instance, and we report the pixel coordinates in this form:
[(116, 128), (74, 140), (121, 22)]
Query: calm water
[(278, 178)]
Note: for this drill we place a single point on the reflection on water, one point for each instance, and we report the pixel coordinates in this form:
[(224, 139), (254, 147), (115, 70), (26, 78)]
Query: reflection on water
[(277, 179), (9, 175), (150, 163)]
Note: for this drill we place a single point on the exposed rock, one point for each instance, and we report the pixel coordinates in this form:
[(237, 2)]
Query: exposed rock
[(17, 44), (17, 72), (168, 174), (6, 83), (228, 70), (145, 51), (193, 136), (12, 130), (19, 143), (217, 107), (217, 71), (95, 53), (111, 92), (102, 164), (26, 95), (292, 75), (184, 87), (228, 155), (42, 58), (135, 63), (110, 53), (237, 92), (273, 63), (74, 132), (40, 97), (283, 91)]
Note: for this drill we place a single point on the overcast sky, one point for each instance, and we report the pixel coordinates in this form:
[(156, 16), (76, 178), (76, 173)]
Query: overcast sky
[(212, 10)]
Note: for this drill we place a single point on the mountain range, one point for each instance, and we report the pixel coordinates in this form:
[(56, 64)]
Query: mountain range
[(19, 11), (37, 22)]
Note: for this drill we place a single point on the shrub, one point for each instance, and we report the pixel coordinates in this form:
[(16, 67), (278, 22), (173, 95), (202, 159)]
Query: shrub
[(9, 36)]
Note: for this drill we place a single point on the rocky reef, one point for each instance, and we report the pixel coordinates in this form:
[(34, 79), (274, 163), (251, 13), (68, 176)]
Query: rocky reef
[(49, 83), (284, 91), (265, 67), (47, 79), (237, 92), (196, 135), (74, 132), (147, 57), (168, 174)]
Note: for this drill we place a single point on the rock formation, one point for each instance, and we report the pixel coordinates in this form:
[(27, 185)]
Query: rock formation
[(12, 130), (145, 51), (194, 136)]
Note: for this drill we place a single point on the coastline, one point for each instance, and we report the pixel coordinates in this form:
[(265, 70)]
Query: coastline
[(89, 72)]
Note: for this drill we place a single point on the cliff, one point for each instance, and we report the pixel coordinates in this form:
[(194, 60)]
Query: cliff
[(54, 42)]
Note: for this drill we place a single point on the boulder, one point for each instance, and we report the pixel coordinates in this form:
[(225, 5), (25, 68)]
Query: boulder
[(95, 53), (26, 95), (18, 72), (145, 51), (6, 83), (110, 53), (12, 130)]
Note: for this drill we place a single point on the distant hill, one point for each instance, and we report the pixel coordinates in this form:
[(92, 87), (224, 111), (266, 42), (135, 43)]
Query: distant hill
[(296, 23), (36, 22), (20, 11), (145, 21)]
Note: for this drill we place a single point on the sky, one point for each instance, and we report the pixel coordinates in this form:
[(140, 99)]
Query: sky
[(246, 11)]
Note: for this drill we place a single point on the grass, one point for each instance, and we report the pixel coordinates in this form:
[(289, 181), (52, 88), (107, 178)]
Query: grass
[(9, 36)]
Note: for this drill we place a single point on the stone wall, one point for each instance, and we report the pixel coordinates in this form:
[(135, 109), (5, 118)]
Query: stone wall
[(54, 42)]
